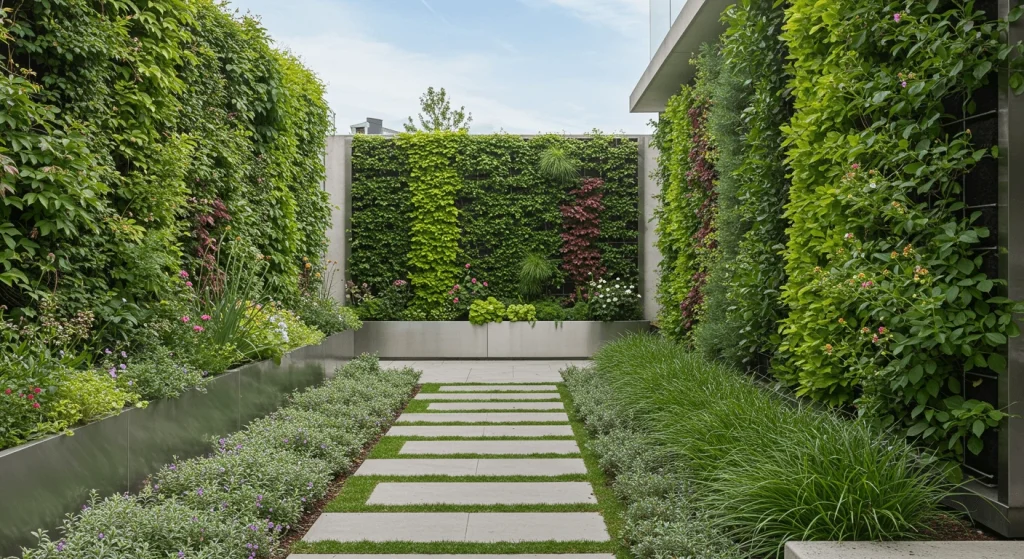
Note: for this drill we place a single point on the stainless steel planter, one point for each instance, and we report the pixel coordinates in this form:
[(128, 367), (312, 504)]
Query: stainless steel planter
[(508, 340), (43, 480)]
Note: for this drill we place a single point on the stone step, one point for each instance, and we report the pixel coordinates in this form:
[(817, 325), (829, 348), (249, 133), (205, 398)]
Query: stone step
[(449, 556), (500, 388), (475, 406), (513, 417), (547, 467), (488, 396), (490, 447), (481, 431), (478, 527), (482, 493)]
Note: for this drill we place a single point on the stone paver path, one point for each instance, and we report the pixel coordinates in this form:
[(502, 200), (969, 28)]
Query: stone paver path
[(523, 442)]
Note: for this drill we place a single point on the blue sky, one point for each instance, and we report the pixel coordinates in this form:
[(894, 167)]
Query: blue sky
[(524, 66)]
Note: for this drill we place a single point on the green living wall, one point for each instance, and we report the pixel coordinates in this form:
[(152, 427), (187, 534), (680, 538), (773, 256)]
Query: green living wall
[(823, 149), (424, 205), (134, 137)]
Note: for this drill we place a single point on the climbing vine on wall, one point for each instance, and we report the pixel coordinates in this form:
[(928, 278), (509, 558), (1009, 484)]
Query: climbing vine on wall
[(434, 228), (888, 301)]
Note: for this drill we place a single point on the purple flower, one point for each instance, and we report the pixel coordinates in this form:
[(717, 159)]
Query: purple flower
[(897, 17), (199, 491), (100, 536), (124, 354), (107, 351), (172, 467), (181, 554), (122, 366), (60, 545), (903, 83)]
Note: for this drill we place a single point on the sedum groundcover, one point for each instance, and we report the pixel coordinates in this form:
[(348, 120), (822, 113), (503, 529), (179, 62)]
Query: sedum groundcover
[(239, 500), (712, 465)]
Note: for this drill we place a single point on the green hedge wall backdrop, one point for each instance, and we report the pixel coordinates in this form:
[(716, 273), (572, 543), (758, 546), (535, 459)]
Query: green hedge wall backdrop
[(502, 207), (847, 168), (135, 136)]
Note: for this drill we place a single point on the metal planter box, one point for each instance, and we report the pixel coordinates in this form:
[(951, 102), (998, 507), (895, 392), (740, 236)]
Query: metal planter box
[(43, 480), (507, 340)]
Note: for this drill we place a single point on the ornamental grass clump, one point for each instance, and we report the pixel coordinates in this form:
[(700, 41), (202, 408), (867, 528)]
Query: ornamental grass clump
[(766, 468)]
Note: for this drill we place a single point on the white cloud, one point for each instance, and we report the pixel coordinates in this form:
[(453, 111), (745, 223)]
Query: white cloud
[(628, 17)]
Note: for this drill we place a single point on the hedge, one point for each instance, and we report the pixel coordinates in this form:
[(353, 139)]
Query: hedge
[(503, 208), (851, 263)]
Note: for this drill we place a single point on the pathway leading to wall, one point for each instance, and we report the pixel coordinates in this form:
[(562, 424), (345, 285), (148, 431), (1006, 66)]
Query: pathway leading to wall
[(484, 461)]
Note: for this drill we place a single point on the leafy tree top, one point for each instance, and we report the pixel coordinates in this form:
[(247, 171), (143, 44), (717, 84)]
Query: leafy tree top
[(437, 114)]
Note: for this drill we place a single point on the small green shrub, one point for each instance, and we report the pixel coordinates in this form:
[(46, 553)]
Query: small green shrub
[(549, 310), (484, 311), (96, 394), (614, 300), (535, 272), (557, 166), (326, 315), (579, 311), (522, 313), (153, 371), (391, 304)]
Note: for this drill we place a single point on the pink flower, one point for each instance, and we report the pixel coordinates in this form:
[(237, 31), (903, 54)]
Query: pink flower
[(874, 339), (456, 287), (188, 284), (485, 284), (867, 284), (897, 17), (467, 266), (35, 405), (205, 317), (8, 391), (882, 330), (455, 300), (473, 280), (848, 236), (903, 83), (855, 166), (197, 328), (183, 274), (185, 319)]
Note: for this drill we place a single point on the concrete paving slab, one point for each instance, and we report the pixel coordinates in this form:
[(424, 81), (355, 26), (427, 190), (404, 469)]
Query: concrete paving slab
[(500, 387), (468, 406), (513, 396), (480, 431), (546, 467), (481, 527), (511, 417), (490, 447), (439, 556), (536, 527), (905, 550), (482, 493)]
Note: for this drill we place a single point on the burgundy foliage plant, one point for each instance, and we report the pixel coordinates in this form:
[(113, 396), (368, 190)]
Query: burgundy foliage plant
[(581, 221)]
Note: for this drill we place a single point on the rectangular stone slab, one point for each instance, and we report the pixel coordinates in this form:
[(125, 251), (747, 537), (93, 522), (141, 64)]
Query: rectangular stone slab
[(490, 447), (482, 493), (481, 527), (547, 467), (480, 431), (500, 388), (512, 417), (467, 556), (513, 396), (469, 406), (905, 550)]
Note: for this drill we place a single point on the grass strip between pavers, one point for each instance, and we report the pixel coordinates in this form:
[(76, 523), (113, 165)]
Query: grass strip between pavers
[(357, 490), (389, 447)]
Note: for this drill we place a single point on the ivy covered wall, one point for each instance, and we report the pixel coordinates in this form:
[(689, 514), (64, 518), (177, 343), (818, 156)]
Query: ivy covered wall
[(503, 208), (134, 137), (849, 261)]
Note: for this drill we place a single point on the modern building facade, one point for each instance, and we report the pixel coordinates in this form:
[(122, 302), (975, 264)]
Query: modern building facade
[(678, 28)]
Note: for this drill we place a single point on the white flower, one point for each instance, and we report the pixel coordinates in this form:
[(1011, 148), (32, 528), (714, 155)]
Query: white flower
[(615, 300)]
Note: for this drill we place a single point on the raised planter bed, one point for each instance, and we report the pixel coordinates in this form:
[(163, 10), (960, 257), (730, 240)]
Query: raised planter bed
[(43, 480), (507, 340)]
